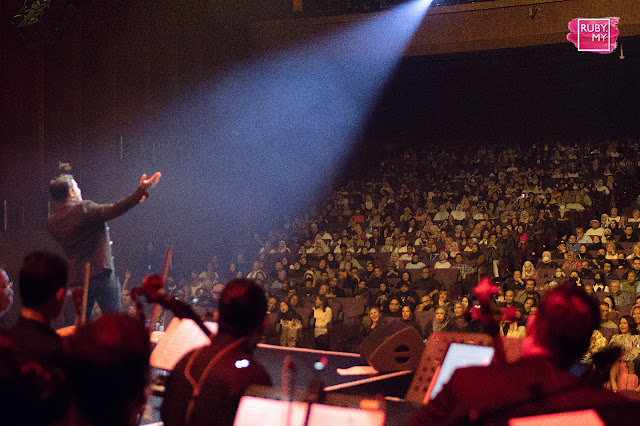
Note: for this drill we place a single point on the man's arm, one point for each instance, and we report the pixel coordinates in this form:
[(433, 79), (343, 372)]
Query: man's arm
[(105, 212)]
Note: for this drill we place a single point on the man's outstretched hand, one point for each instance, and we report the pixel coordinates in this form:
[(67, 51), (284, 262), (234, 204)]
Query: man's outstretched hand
[(148, 184)]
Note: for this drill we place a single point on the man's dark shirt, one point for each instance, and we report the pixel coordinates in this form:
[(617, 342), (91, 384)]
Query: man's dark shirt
[(80, 228), (409, 297), (337, 291), (511, 284), (376, 242), (37, 342), (221, 390), (506, 246), (633, 238), (374, 282), (428, 284)]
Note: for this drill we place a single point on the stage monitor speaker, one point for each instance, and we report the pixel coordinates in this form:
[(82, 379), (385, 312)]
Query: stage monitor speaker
[(436, 349), (394, 346)]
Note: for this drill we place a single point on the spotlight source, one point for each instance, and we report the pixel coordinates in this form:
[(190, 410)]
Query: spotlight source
[(43, 20)]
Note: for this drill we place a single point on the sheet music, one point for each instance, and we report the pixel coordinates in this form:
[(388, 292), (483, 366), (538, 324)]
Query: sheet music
[(181, 337)]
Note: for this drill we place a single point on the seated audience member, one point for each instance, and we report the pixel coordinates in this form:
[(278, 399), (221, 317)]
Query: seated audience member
[(407, 295), (459, 322), (529, 303), (635, 254), (43, 286), (308, 290), (599, 283), (334, 289), (557, 337), (107, 369), (442, 262), (572, 263), (323, 316), (560, 252), (621, 298), (426, 303), (394, 310), (440, 322), (529, 291), (409, 319), (272, 305), (623, 375), (608, 273), (510, 300), (371, 321), (515, 283), (415, 263), (464, 269), (512, 329), (381, 297), (363, 292), (290, 322), (443, 301), (206, 385), (611, 302), (405, 277), (546, 261), (631, 282), (629, 235), (635, 314), (528, 271), (586, 271), (377, 278), (427, 283), (295, 302)]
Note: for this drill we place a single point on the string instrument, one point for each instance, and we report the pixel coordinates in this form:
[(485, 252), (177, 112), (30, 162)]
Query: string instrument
[(491, 316), (151, 289)]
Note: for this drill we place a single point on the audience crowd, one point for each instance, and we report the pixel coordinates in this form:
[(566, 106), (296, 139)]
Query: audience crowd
[(408, 243)]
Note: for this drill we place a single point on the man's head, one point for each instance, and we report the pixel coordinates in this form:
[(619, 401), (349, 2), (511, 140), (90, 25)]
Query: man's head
[(614, 287), (242, 308), (509, 295), (604, 311), (628, 230), (43, 283), (64, 187), (113, 351), (564, 323), (425, 272), (530, 285)]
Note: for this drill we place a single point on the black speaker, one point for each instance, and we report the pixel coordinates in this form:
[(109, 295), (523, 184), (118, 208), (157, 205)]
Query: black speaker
[(394, 346)]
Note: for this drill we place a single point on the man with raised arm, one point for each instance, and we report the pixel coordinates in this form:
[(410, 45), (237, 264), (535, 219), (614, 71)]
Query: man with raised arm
[(80, 227)]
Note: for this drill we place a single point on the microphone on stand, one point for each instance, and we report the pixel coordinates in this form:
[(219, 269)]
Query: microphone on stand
[(288, 384)]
